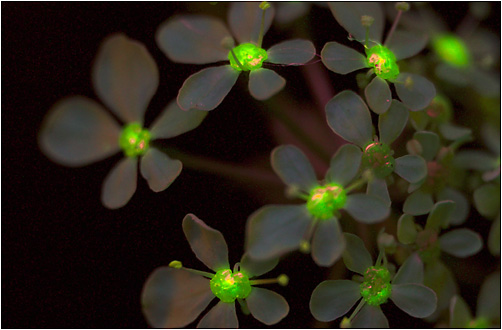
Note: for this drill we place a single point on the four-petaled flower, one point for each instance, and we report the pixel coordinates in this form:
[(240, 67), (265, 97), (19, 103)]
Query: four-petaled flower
[(79, 131)]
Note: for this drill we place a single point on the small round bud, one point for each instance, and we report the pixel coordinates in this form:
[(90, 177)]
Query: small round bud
[(403, 6), (228, 42), (264, 5), (175, 264), (283, 280), (304, 247), (345, 324), (367, 21)]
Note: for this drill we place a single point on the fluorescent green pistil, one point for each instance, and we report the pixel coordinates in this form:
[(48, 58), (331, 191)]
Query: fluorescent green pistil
[(452, 50), (228, 287), (134, 140), (479, 323), (378, 157), (250, 57), (376, 288), (383, 61), (325, 200)]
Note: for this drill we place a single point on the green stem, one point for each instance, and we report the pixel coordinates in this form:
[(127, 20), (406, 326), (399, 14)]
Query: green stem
[(264, 281), (358, 308), (367, 37), (262, 28), (236, 60), (358, 183), (393, 28), (198, 272), (379, 259)]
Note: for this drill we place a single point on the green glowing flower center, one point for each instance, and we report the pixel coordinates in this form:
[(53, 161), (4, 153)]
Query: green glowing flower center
[(228, 287), (452, 50), (376, 288), (479, 323), (134, 140), (378, 157), (324, 201), (383, 61), (250, 57)]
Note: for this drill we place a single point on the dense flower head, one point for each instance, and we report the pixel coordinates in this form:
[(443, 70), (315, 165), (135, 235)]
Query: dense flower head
[(378, 157), (134, 140), (376, 288), (228, 286), (383, 61), (325, 200), (451, 49), (251, 57)]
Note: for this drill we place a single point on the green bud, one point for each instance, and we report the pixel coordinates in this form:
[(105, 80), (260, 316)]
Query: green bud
[(176, 264), (264, 5), (403, 6), (367, 21)]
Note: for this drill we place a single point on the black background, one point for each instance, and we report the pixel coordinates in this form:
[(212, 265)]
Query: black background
[(69, 262)]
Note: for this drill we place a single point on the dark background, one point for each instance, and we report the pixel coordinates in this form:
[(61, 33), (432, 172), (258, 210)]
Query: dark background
[(69, 262)]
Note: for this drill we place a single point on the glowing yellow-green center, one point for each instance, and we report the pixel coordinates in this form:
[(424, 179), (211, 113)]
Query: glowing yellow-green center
[(325, 200), (479, 323), (452, 50), (134, 140), (250, 57), (228, 287), (376, 288), (383, 62), (378, 157)]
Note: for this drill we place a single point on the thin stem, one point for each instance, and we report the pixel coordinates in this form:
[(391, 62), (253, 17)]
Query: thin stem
[(236, 60), (379, 259), (393, 28), (198, 272), (356, 184), (367, 37), (358, 308), (244, 306), (264, 281), (262, 28), (226, 169), (299, 133)]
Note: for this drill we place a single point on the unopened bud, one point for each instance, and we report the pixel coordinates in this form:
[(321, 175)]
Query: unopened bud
[(367, 21), (403, 6), (175, 264)]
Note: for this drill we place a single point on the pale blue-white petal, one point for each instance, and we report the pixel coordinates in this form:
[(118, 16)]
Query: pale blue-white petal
[(414, 299), (288, 11), (350, 118), (267, 306), (440, 279), (406, 229), (328, 242), (439, 215), (378, 95), (356, 257), (125, 77), (174, 298), (265, 83), (174, 121), (429, 142), (461, 242), (120, 183), (418, 203), (344, 165), (291, 52), (207, 243), (206, 89), (348, 15), (378, 188), (159, 170), (415, 91), (411, 271), (274, 230), (222, 315), (462, 207), (77, 131), (253, 267), (484, 82), (392, 123), (494, 237), (411, 168), (244, 19), (366, 208), (406, 44), (460, 314), (370, 317), (333, 299), (342, 59), (293, 167), (489, 298), (194, 39)]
